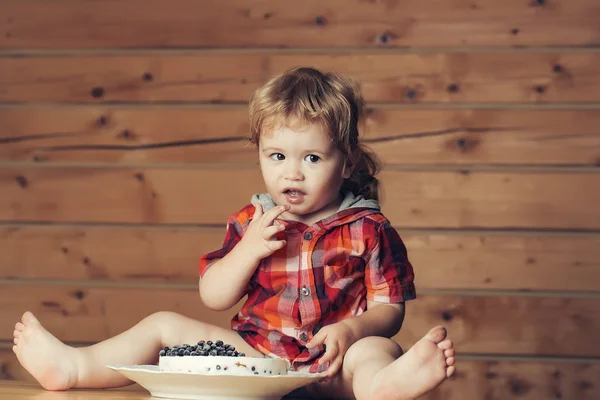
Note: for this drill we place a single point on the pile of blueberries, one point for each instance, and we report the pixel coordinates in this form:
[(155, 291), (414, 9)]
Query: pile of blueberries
[(203, 348)]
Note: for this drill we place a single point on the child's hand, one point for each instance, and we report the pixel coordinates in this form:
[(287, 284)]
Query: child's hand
[(337, 339), (259, 239)]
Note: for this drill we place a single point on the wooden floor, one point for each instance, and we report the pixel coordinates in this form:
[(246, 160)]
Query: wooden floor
[(19, 390), (26, 390)]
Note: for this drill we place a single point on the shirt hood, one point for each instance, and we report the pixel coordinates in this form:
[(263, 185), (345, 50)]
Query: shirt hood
[(350, 201)]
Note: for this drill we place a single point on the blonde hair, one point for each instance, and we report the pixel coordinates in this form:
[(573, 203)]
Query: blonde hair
[(333, 101)]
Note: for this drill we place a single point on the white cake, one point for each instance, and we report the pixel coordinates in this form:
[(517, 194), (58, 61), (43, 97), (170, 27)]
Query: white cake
[(217, 358), (224, 365)]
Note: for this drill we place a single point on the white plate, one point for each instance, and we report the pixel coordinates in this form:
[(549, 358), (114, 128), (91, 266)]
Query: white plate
[(186, 385)]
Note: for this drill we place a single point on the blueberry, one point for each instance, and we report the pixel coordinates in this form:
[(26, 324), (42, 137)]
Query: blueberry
[(187, 353), (242, 355), (206, 347), (229, 353), (219, 343), (185, 346), (162, 353), (180, 352), (209, 342), (202, 353), (201, 343), (253, 368), (213, 353)]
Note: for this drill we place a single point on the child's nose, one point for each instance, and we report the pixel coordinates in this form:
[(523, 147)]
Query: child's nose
[(293, 172)]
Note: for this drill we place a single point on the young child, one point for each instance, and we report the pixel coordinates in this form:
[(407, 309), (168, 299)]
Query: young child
[(325, 273)]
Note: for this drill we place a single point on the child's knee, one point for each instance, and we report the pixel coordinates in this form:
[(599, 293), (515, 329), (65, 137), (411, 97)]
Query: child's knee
[(373, 345)]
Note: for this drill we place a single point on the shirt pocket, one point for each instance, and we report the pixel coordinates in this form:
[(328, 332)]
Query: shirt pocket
[(343, 268)]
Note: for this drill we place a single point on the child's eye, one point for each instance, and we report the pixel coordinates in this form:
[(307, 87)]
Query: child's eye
[(277, 156), (311, 158)]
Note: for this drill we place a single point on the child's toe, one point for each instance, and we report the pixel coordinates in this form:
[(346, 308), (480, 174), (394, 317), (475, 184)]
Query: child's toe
[(445, 344), (449, 353)]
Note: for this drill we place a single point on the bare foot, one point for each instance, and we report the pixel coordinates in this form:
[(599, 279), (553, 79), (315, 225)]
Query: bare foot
[(52, 363), (424, 366)]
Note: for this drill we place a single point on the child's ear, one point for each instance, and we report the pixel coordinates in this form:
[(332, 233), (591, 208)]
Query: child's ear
[(349, 167)]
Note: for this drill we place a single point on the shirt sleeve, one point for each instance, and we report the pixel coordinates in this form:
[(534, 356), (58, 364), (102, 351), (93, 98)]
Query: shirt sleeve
[(236, 225), (389, 276)]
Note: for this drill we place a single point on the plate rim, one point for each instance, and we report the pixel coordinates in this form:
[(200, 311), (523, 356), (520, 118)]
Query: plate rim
[(153, 369)]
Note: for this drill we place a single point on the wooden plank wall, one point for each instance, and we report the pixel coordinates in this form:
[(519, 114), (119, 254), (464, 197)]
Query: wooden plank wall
[(122, 152)]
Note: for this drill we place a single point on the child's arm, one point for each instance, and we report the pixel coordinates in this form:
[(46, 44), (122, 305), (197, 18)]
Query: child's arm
[(224, 283), (380, 319)]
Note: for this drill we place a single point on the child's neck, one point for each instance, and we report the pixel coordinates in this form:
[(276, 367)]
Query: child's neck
[(316, 216)]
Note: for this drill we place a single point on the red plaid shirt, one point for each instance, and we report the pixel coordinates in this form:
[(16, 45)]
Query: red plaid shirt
[(325, 274)]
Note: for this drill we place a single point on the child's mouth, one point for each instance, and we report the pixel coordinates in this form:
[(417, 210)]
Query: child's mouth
[(293, 196)]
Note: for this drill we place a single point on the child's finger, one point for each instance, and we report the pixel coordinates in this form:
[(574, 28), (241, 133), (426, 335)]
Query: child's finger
[(271, 215), (258, 211), (272, 230), (330, 354), (275, 245), (334, 366), (318, 339)]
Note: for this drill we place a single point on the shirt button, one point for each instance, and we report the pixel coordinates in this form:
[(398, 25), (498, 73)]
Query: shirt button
[(305, 291), (304, 336), (308, 236)]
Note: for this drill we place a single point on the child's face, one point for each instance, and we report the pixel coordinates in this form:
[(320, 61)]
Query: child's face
[(302, 168)]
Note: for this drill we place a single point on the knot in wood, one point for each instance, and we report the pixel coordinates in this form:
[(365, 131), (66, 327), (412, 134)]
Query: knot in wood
[(126, 134), (147, 76), (102, 120), (519, 387), (320, 20), (383, 38), (453, 88), (79, 295), (540, 89), (97, 92), (22, 181), (410, 94), (447, 316), (557, 68)]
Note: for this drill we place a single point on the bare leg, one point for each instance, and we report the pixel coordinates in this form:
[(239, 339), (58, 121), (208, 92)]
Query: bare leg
[(374, 369), (57, 366)]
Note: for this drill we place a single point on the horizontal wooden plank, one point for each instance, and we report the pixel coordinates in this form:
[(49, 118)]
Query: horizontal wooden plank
[(453, 78), (496, 378), (204, 135), (477, 324), (185, 23), (424, 199), (520, 380), (442, 260)]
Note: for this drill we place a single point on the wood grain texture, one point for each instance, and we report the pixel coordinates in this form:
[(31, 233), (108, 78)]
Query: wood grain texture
[(207, 135), (270, 23), (453, 260), (439, 77), (486, 324), (475, 379), (424, 199)]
